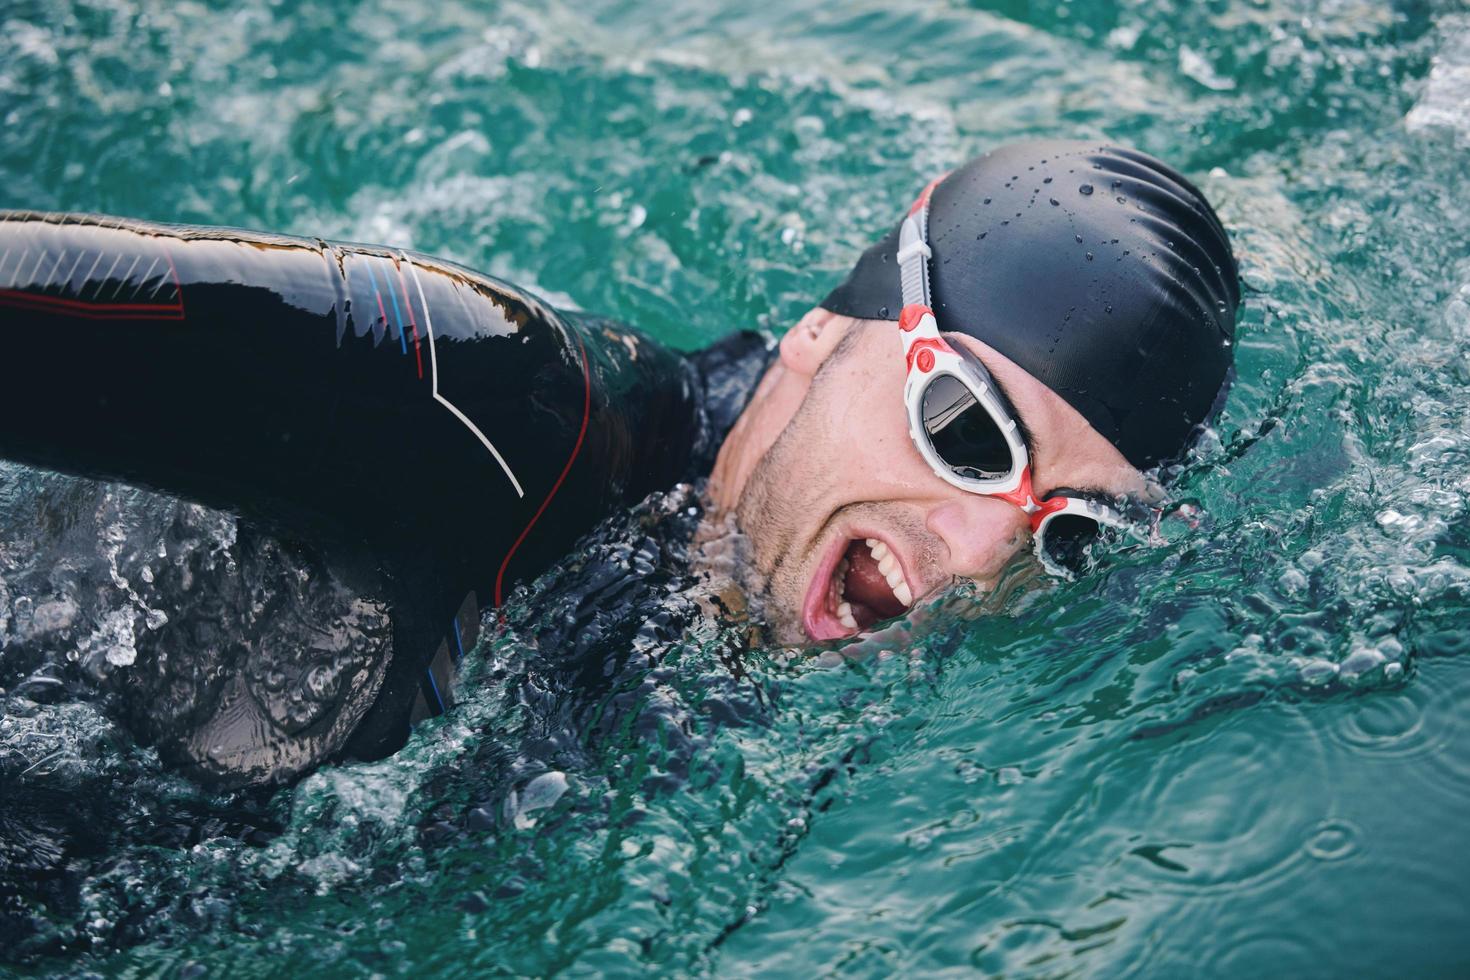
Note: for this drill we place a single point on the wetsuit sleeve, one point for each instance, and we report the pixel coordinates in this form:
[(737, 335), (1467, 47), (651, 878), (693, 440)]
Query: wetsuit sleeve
[(445, 427), (291, 380)]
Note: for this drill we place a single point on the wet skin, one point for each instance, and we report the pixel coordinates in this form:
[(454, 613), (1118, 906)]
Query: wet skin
[(820, 469)]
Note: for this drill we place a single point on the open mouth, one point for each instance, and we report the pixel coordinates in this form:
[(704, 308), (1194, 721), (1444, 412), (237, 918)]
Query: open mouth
[(857, 587)]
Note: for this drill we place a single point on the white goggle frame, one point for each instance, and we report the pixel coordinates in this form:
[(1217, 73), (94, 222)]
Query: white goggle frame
[(927, 356)]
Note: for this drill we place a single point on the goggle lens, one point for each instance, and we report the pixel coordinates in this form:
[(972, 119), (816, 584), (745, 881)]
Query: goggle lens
[(962, 432), (1066, 540)]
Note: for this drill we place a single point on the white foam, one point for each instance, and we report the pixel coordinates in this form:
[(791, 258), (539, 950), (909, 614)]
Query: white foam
[(539, 793), (1445, 103), (1194, 65)]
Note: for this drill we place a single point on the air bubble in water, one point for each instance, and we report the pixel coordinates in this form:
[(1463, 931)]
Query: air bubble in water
[(1361, 661), (1317, 671)]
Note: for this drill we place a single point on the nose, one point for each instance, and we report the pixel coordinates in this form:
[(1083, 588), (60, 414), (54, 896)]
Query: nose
[(981, 533)]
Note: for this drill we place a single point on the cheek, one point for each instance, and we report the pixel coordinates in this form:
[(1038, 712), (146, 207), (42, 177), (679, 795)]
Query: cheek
[(866, 443), (870, 413), (856, 442)]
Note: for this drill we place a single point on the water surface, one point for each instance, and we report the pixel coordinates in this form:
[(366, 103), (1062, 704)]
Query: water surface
[(1242, 753)]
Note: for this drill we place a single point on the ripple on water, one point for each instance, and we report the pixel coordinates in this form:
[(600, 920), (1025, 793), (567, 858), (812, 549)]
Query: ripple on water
[(1228, 811), (1417, 719), (1423, 720), (1394, 725), (1333, 840), (1276, 947)]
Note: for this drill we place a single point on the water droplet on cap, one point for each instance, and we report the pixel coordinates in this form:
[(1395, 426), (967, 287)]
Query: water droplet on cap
[(1085, 190), (1054, 201)]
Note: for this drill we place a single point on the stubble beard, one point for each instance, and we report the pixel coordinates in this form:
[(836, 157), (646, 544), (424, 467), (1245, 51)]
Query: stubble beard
[(767, 517), (768, 510)]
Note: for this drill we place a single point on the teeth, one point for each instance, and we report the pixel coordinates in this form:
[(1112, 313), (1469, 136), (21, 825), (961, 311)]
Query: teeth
[(839, 581), (894, 576), (891, 571), (839, 588)]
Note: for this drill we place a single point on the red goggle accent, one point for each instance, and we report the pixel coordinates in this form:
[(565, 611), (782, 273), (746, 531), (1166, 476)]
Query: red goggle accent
[(924, 195), (1036, 510), (921, 353), (910, 316)]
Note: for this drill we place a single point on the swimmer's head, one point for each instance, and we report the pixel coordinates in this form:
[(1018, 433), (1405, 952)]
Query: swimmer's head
[(1096, 286)]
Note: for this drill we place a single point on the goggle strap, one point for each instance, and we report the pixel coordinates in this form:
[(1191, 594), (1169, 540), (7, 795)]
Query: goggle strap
[(913, 267), (913, 252)]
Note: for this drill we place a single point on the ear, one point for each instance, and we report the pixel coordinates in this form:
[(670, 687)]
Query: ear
[(807, 345)]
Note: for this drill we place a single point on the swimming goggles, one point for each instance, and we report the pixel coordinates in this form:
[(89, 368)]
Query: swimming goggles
[(965, 428)]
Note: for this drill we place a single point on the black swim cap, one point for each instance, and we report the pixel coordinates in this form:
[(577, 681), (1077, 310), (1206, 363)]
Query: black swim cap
[(1099, 270)]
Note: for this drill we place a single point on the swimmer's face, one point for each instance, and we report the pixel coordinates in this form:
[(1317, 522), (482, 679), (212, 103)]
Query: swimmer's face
[(841, 471)]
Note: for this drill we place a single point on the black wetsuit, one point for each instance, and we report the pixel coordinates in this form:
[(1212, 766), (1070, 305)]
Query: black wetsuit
[(438, 428)]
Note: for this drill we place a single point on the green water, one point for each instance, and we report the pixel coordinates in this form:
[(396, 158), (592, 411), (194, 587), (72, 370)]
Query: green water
[(1245, 753)]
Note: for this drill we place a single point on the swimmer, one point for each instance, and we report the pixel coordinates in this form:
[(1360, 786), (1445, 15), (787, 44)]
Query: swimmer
[(1047, 323), (1065, 316)]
